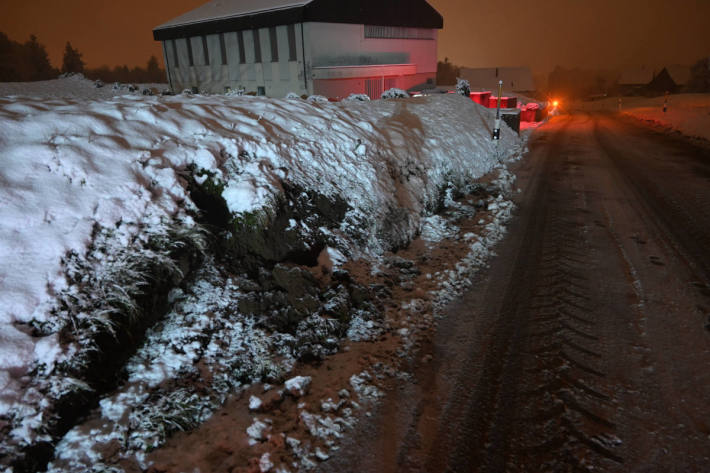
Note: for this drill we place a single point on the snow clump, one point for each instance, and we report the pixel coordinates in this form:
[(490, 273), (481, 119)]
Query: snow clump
[(298, 386), (317, 99), (357, 98), (394, 93)]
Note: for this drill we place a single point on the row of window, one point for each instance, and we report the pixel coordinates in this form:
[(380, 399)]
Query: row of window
[(256, 41), (397, 32), (371, 31)]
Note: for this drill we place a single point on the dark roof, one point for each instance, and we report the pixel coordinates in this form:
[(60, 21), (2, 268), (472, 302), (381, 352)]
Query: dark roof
[(219, 16)]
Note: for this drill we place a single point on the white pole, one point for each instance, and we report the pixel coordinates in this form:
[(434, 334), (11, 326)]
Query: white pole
[(665, 102), (496, 128)]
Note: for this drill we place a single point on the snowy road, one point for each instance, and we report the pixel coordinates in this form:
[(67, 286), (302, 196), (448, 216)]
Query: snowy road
[(586, 345)]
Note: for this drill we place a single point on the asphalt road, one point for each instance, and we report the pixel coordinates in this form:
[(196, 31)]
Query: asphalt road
[(586, 345)]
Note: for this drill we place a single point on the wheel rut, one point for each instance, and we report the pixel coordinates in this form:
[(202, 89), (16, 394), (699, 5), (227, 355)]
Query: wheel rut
[(565, 408), (541, 402)]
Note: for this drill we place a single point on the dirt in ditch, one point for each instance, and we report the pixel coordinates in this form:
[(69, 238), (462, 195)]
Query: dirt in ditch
[(222, 445)]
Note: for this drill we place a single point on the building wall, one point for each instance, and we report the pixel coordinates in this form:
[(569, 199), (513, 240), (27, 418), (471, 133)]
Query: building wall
[(372, 86), (274, 76), (327, 45), (338, 44), (337, 47)]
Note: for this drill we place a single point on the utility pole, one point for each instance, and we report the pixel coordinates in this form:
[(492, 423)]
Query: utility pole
[(496, 128)]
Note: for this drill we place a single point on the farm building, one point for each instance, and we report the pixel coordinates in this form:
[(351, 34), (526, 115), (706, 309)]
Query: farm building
[(515, 79), (324, 47), (635, 80), (646, 81)]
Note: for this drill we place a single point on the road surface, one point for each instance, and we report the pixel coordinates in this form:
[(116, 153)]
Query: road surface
[(586, 345)]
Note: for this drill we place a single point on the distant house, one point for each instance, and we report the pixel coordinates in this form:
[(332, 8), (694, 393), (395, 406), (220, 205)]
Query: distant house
[(515, 79), (325, 47), (644, 80), (661, 82)]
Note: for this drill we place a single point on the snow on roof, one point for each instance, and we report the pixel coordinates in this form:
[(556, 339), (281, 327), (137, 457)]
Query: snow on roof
[(639, 75), (221, 9), (515, 79)]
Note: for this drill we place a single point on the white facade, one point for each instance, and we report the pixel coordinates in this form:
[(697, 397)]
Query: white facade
[(330, 59), (346, 58)]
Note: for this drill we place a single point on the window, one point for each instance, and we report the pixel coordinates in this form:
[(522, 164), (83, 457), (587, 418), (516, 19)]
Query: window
[(175, 54), (274, 44), (257, 46), (242, 53), (190, 59), (223, 49), (291, 42), (205, 51), (398, 32)]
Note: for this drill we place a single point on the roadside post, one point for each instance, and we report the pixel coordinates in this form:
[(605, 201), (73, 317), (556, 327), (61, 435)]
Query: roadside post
[(496, 128), (619, 106), (665, 102)]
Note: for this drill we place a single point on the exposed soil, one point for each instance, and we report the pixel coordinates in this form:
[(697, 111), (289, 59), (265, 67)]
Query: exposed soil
[(586, 345), (405, 284)]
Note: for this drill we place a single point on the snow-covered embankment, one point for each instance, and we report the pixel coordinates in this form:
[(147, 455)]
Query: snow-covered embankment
[(93, 190)]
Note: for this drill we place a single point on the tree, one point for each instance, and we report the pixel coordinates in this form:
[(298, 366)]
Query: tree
[(152, 65), (154, 72), (700, 76), (24, 62), (8, 58), (446, 72), (72, 60), (121, 74), (38, 60)]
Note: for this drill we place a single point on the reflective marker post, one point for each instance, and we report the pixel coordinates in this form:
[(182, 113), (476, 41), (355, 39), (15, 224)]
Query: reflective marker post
[(496, 128), (665, 102)]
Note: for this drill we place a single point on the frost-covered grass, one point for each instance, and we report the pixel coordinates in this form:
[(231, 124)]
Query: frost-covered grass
[(103, 306), (165, 390)]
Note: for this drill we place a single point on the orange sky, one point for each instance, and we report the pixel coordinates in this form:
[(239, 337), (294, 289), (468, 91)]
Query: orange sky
[(540, 34)]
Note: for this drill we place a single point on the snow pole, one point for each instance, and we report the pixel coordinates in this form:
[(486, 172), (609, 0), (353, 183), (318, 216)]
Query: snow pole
[(496, 128), (665, 102)]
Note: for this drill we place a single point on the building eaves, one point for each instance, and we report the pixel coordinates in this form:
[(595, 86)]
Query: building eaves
[(225, 9), (221, 16)]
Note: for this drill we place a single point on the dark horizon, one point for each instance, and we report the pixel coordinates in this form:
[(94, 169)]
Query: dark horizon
[(541, 35)]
